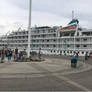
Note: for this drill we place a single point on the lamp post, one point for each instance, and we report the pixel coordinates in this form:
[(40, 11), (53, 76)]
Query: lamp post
[(29, 28)]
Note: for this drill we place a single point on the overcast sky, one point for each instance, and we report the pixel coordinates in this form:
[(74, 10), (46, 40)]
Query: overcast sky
[(14, 13)]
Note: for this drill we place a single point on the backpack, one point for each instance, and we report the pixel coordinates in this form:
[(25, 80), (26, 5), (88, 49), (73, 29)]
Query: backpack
[(74, 58)]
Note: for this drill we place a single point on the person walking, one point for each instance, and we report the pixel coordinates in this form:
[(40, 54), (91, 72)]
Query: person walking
[(86, 56)]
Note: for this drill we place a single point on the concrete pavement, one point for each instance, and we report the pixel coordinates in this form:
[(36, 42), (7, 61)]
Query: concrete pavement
[(50, 75)]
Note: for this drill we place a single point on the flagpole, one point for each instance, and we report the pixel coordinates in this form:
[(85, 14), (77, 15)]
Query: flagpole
[(29, 28)]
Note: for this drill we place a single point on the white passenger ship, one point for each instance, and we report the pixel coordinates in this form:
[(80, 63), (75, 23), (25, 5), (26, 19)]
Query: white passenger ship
[(52, 40)]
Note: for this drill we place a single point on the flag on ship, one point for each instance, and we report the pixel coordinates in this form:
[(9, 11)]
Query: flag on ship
[(72, 25)]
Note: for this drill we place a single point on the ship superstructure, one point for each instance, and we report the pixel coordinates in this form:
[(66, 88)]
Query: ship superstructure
[(52, 40)]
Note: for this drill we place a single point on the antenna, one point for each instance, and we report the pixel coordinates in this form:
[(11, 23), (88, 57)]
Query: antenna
[(72, 15)]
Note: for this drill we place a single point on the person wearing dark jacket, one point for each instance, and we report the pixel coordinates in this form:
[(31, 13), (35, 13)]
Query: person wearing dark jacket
[(74, 61), (16, 54), (2, 55), (86, 56), (9, 55)]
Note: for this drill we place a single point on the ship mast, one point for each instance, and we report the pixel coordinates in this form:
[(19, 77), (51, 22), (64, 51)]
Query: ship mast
[(72, 15), (29, 28)]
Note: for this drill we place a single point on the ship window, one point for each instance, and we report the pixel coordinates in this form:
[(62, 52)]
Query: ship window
[(77, 33), (54, 45), (77, 39), (84, 45), (54, 40), (54, 35), (82, 52), (68, 46), (47, 45), (78, 46), (61, 52), (78, 52), (48, 31), (70, 51), (54, 30), (67, 51), (47, 40), (72, 34), (85, 39), (54, 51), (38, 35), (64, 51), (66, 34), (33, 40), (42, 45), (43, 31), (61, 34), (37, 40)]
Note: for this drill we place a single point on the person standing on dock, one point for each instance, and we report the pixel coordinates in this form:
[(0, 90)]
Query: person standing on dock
[(9, 55), (16, 54), (86, 56), (39, 54), (2, 55)]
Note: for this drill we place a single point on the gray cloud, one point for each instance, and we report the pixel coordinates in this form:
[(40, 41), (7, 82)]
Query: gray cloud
[(44, 12), (20, 4), (63, 8)]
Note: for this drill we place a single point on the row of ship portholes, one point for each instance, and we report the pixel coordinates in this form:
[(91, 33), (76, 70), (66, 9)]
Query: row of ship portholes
[(68, 52)]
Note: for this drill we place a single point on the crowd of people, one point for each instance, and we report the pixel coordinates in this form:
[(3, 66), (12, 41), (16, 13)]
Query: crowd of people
[(15, 55), (11, 55)]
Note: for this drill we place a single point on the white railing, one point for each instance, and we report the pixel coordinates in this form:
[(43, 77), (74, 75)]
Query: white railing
[(43, 33), (44, 38), (17, 39)]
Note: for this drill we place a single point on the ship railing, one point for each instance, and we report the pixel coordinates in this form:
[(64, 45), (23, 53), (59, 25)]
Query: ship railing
[(18, 39), (46, 33)]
